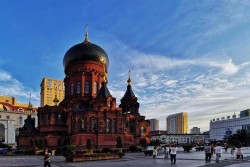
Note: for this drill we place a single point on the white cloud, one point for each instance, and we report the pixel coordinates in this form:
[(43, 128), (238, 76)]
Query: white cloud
[(9, 86)]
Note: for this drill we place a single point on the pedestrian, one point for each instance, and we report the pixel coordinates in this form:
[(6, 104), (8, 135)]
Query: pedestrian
[(154, 152), (225, 147), (239, 152), (212, 149), (207, 150), (166, 151), (173, 152), (47, 159), (218, 151), (233, 151)]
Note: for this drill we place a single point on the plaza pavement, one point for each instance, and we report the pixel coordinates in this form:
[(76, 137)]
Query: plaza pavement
[(192, 159)]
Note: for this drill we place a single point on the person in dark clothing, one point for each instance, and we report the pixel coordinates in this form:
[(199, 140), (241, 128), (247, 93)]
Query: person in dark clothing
[(47, 159), (207, 150)]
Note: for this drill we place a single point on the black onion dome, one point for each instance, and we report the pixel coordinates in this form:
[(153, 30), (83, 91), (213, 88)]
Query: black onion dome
[(85, 51)]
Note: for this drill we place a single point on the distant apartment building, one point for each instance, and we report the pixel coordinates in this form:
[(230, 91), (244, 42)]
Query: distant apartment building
[(154, 124), (221, 128), (177, 123), (11, 100), (51, 89), (195, 130)]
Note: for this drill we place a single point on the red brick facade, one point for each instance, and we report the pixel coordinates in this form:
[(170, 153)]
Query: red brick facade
[(88, 112)]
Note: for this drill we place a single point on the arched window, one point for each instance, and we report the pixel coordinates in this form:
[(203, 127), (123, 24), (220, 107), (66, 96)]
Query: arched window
[(20, 120), (95, 89), (93, 124), (71, 89), (82, 124), (59, 119), (113, 126), (86, 87), (46, 119), (2, 133), (108, 125), (78, 87)]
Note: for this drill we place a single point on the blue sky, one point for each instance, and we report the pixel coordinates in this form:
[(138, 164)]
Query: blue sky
[(184, 56)]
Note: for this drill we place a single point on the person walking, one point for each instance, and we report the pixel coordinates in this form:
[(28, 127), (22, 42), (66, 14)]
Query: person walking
[(218, 151), (166, 151), (207, 150), (173, 152), (233, 151), (154, 152), (212, 149), (47, 159), (239, 152)]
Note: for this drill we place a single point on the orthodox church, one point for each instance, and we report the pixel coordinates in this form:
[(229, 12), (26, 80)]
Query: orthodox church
[(88, 110)]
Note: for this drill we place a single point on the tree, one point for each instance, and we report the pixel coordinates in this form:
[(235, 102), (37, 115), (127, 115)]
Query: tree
[(119, 142), (240, 137), (69, 152)]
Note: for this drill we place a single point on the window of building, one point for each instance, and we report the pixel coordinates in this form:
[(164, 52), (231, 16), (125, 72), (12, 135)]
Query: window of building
[(95, 89), (55, 85), (71, 89), (113, 126), (87, 87), (2, 133), (46, 119), (78, 87), (93, 124), (108, 125), (59, 85), (59, 119), (7, 117), (49, 83), (82, 124), (20, 120)]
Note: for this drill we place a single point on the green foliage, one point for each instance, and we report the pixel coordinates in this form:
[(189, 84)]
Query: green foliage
[(88, 144), (119, 142), (69, 152), (241, 136), (187, 147)]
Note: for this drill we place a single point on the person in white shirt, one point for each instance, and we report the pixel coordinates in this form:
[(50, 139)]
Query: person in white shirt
[(218, 152), (166, 151), (173, 150)]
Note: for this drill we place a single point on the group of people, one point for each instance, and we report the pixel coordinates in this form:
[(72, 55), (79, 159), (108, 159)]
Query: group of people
[(209, 149), (217, 150), (168, 150)]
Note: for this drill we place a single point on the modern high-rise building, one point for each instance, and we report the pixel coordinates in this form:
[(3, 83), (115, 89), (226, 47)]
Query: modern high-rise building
[(51, 89), (195, 130), (154, 124), (177, 123)]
